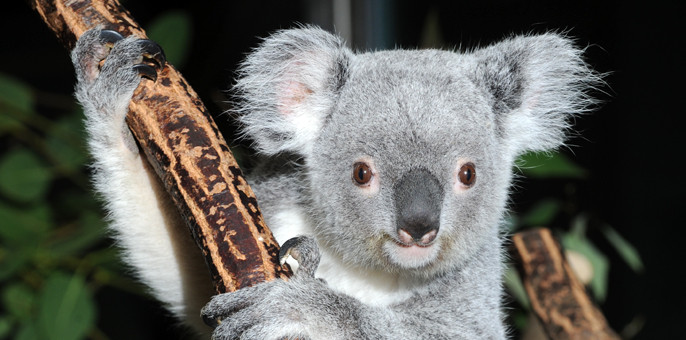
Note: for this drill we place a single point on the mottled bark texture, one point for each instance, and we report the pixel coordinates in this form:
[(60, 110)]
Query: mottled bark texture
[(558, 298), (182, 143)]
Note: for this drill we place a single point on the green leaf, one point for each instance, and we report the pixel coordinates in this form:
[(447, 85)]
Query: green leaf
[(63, 143), (12, 261), (541, 214), (514, 285), (91, 230), (15, 93), (579, 226), (5, 326), (173, 31), (24, 225), (28, 331), (23, 176), (576, 240), (18, 299), (67, 310), (8, 123), (553, 165), (108, 259), (627, 251), (21, 232)]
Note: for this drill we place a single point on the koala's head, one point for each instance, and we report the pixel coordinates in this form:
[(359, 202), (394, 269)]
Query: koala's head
[(409, 154)]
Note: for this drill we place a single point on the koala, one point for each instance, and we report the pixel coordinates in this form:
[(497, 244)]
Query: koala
[(387, 172)]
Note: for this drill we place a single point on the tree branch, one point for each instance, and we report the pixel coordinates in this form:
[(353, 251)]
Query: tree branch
[(557, 297), (187, 151)]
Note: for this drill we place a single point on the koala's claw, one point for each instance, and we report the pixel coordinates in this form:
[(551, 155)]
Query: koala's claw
[(153, 59), (153, 53), (211, 321), (96, 48), (146, 71), (109, 37), (303, 249)]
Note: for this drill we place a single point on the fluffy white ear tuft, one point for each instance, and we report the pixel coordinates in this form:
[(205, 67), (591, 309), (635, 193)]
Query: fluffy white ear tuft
[(535, 84), (288, 86)]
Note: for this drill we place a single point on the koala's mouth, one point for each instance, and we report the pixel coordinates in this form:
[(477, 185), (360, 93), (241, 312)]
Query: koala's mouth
[(412, 244), (412, 254)]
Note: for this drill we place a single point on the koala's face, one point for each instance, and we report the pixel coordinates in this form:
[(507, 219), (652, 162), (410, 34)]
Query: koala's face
[(409, 153), (408, 169)]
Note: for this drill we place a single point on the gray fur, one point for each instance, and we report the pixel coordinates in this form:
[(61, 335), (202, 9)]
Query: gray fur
[(409, 112), (316, 108)]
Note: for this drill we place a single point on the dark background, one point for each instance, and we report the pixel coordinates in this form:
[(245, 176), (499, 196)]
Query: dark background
[(630, 146)]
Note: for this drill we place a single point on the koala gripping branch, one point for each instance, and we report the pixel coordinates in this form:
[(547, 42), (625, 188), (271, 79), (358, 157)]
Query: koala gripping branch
[(183, 145)]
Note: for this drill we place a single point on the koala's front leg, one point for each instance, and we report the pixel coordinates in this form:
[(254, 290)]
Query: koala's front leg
[(109, 68), (141, 215)]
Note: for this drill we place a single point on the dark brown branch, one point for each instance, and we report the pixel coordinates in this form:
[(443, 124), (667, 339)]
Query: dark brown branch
[(184, 146), (557, 297)]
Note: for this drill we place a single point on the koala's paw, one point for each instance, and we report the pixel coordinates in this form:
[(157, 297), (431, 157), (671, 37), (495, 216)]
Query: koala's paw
[(305, 251), (276, 309), (271, 310), (109, 67)]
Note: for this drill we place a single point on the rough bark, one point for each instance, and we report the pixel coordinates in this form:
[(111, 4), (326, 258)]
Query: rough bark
[(558, 298), (183, 145)]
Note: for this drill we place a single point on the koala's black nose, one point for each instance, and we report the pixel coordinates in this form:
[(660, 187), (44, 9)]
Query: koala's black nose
[(418, 197)]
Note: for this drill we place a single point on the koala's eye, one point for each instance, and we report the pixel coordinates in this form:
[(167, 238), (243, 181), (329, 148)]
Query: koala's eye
[(362, 173), (467, 174)]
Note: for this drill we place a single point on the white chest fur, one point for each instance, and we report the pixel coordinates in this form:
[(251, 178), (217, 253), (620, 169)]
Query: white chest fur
[(372, 288)]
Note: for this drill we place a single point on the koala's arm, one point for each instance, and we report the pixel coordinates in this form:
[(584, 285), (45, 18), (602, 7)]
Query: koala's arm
[(459, 305), (142, 218)]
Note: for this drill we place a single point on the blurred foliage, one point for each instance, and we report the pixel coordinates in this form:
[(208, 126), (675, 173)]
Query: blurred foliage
[(173, 31), (55, 258), (50, 234), (573, 237), (54, 254), (544, 165)]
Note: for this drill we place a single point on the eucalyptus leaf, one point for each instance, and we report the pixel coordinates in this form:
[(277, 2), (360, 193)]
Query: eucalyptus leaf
[(579, 226), (24, 225), (601, 266), (627, 251), (15, 93), (22, 231), (28, 331), (173, 31), (549, 165), (541, 214), (8, 123), (63, 142), (514, 285), (90, 231), (5, 326), (23, 176), (18, 300), (67, 310), (13, 260)]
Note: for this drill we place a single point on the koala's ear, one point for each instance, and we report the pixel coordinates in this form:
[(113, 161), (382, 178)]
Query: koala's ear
[(535, 85), (288, 86)]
